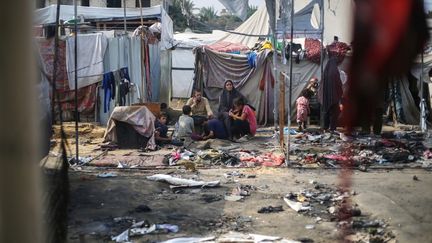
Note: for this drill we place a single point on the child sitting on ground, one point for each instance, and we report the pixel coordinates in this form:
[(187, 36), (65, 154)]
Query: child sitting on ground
[(161, 132), (303, 109), (185, 125)]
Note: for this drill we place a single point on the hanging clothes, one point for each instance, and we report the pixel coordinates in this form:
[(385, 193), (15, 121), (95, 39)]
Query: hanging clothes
[(251, 56), (109, 87)]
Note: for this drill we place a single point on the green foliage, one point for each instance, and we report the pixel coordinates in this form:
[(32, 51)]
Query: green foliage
[(180, 11), (207, 20), (207, 14)]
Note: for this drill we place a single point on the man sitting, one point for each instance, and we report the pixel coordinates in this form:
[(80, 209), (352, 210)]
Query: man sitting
[(200, 106)]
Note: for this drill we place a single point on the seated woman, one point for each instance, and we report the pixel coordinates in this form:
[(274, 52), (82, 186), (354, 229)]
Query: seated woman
[(226, 101), (244, 119)]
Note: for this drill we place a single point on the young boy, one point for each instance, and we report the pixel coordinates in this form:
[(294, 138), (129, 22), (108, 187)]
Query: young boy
[(161, 130), (185, 125)]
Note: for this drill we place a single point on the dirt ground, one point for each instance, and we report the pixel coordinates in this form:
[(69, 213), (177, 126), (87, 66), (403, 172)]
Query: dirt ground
[(104, 207), (392, 196)]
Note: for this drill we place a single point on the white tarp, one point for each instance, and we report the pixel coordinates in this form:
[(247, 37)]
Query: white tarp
[(183, 61), (338, 18), (90, 66)]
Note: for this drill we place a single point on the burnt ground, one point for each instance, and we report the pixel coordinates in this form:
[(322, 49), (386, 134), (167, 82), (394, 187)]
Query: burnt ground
[(391, 196), (103, 207)]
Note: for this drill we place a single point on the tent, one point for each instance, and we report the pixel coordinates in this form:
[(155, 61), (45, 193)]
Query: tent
[(337, 18), (256, 83), (120, 52), (183, 60)]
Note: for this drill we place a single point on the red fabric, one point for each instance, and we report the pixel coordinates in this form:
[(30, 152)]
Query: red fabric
[(313, 50), (86, 95), (302, 109), (268, 159), (338, 50), (224, 46), (337, 157)]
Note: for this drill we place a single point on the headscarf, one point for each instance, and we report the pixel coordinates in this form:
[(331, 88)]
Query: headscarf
[(330, 90), (227, 97)]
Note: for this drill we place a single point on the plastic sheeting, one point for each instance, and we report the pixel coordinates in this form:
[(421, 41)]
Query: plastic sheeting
[(166, 80), (182, 72), (254, 83), (155, 71), (116, 57), (338, 18), (141, 119)]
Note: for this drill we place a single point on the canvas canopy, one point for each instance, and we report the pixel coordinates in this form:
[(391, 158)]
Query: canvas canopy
[(337, 21)]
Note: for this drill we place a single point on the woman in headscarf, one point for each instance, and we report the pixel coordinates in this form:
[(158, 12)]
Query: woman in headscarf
[(226, 104), (228, 96), (330, 94)]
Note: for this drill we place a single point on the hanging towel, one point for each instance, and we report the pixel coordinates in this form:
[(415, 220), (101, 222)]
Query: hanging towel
[(91, 51)]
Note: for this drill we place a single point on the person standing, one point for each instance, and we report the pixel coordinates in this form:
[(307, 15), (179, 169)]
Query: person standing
[(303, 109), (330, 94)]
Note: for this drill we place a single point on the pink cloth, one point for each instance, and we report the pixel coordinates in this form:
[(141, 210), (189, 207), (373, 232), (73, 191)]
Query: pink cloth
[(302, 109), (251, 118)]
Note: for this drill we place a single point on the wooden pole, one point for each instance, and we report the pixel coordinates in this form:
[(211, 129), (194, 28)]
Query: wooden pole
[(20, 185), (281, 108)]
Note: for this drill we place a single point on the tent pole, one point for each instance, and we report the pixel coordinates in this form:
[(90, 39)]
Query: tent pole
[(322, 57), (282, 82), (281, 108), (422, 100), (275, 116), (124, 19), (290, 85), (76, 80), (141, 49)]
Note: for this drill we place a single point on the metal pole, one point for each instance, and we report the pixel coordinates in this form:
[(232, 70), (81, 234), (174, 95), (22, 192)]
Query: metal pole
[(290, 85), (76, 80), (124, 19), (322, 57), (422, 102), (275, 116)]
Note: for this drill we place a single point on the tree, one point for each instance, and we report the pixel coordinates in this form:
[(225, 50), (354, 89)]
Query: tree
[(180, 11), (251, 10), (207, 14)]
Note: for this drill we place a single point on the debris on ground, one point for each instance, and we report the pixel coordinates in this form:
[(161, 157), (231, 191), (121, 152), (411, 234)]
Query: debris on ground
[(180, 182), (271, 209), (142, 228), (107, 175)]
